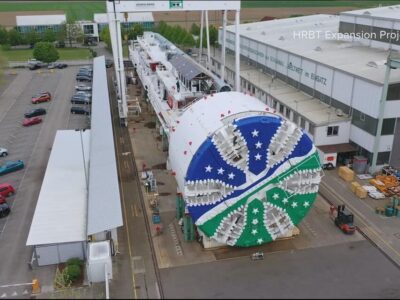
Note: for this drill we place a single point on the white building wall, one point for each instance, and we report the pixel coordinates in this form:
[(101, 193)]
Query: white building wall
[(366, 97), (342, 87), (321, 137), (362, 138), (392, 109)]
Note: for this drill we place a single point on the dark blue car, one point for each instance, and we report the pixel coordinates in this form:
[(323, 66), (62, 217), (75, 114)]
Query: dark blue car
[(11, 166)]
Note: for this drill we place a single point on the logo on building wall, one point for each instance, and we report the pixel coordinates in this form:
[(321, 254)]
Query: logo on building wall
[(176, 4)]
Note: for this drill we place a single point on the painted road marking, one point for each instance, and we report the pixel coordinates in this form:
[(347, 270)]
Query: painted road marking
[(3, 295)]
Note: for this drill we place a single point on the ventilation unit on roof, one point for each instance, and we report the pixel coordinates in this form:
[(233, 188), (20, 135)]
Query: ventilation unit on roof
[(263, 33), (366, 13), (248, 28), (372, 64), (390, 7), (281, 38), (339, 112), (318, 48)]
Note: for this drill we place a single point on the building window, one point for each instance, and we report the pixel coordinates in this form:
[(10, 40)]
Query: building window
[(311, 128), (281, 108), (302, 123), (88, 29), (362, 117), (332, 130), (287, 113), (274, 104), (383, 158), (388, 126)]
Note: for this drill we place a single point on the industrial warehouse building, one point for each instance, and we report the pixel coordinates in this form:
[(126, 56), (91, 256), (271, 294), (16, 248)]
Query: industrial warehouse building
[(79, 201), (327, 82), (40, 23)]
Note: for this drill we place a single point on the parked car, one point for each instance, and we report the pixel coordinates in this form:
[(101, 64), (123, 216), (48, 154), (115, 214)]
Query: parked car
[(80, 100), (11, 166), (83, 93), (34, 67), (109, 63), (82, 87), (35, 112), (31, 121), (2, 199), (41, 97), (3, 152), (51, 65), (79, 111), (4, 210), (82, 77), (6, 190), (61, 65), (84, 73)]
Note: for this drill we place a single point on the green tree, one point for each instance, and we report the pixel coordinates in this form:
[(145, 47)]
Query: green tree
[(49, 35), (137, 30), (14, 37), (195, 29), (46, 52), (32, 37), (61, 34), (74, 32), (3, 36), (213, 35), (105, 37)]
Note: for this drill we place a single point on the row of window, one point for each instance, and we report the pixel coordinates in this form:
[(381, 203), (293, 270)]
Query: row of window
[(39, 28)]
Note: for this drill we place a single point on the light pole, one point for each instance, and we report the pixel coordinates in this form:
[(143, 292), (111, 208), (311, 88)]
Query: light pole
[(391, 63)]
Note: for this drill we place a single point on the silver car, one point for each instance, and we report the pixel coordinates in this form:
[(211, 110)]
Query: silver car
[(82, 87)]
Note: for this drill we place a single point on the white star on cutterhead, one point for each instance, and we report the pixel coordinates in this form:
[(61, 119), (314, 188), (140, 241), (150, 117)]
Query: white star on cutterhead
[(221, 171), (254, 232), (208, 169), (258, 145), (231, 175), (255, 222), (275, 196), (254, 133), (285, 201), (259, 241), (294, 204), (258, 156), (306, 204), (255, 211)]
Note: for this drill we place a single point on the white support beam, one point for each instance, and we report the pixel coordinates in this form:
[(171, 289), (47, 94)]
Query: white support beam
[(237, 51), (208, 42), (224, 23), (201, 37), (116, 42)]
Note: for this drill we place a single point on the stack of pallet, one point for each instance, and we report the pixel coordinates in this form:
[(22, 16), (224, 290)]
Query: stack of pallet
[(357, 189), (346, 173)]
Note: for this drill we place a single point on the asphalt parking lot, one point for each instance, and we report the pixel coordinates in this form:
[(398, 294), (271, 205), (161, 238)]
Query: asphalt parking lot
[(32, 145)]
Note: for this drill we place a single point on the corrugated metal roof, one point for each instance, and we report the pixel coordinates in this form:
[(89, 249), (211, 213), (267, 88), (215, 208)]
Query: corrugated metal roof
[(138, 17), (185, 67), (60, 215), (40, 20), (104, 206)]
